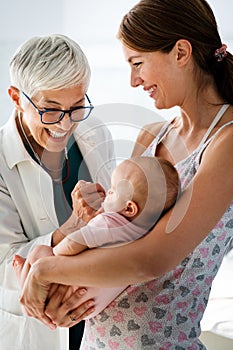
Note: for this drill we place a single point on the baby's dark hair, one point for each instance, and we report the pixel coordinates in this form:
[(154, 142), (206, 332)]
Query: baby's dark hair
[(158, 180)]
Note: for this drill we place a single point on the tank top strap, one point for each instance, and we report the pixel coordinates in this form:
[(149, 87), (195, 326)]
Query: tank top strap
[(214, 123), (165, 130), (203, 147), (213, 136), (150, 150)]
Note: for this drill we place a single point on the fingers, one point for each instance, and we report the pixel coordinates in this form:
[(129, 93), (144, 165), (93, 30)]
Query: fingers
[(86, 207), (34, 295), (96, 201), (39, 315), (52, 290), (76, 315), (35, 308), (70, 312), (88, 193), (79, 314), (55, 299), (88, 187), (87, 198)]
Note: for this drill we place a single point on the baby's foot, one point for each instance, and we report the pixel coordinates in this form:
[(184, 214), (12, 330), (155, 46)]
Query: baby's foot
[(17, 263)]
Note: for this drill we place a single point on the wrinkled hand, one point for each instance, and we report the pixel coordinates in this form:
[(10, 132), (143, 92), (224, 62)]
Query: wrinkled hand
[(62, 307), (53, 304), (87, 198), (34, 296)]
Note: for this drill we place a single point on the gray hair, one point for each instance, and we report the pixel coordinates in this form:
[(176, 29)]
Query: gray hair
[(47, 63)]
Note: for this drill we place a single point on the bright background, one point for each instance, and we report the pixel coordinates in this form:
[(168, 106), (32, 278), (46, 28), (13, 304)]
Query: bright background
[(93, 24)]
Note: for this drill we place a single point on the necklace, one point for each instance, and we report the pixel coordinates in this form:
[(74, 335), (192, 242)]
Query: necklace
[(46, 168)]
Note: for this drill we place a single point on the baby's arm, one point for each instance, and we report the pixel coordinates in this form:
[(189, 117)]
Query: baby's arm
[(95, 234), (71, 245)]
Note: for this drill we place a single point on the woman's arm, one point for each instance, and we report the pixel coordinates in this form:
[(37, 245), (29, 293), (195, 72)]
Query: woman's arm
[(171, 240)]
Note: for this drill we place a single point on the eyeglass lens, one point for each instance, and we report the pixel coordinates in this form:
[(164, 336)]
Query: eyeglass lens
[(76, 115)]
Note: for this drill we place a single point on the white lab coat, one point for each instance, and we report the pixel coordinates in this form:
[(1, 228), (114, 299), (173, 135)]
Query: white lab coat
[(28, 218)]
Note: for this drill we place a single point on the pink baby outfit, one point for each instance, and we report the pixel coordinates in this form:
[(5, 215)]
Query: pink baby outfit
[(165, 314), (106, 230)]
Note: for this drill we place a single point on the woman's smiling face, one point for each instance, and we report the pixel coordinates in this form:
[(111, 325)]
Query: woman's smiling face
[(158, 74), (53, 137)]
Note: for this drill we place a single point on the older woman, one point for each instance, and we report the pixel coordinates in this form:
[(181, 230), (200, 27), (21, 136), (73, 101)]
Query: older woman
[(47, 145)]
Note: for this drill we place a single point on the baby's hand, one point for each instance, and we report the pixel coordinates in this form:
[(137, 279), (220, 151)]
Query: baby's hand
[(87, 198)]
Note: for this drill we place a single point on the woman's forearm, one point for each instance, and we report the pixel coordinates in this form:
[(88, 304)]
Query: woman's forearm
[(82, 270), (171, 240), (140, 261), (176, 234)]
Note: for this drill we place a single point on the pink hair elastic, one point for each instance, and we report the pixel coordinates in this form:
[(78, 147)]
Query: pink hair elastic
[(221, 53)]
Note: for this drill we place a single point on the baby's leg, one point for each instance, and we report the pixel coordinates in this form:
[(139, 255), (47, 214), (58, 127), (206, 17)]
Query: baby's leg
[(22, 266), (18, 263)]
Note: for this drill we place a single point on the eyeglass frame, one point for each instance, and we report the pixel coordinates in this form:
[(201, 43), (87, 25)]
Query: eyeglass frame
[(63, 112)]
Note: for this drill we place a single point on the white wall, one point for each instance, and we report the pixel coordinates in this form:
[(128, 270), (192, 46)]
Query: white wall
[(94, 25), (19, 20)]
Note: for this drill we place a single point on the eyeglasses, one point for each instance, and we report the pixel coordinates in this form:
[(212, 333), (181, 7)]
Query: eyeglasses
[(53, 115)]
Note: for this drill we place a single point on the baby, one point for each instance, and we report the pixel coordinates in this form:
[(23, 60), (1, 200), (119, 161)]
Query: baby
[(142, 189)]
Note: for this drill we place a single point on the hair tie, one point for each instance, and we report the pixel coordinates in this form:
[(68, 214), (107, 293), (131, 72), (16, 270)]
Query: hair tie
[(221, 53)]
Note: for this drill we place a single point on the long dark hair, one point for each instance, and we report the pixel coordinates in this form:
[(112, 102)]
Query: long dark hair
[(156, 25)]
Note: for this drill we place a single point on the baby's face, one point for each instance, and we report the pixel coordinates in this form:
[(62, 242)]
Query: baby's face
[(119, 194)]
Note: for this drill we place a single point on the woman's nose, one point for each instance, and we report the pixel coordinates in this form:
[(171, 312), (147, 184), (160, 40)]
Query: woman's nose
[(135, 80), (66, 123)]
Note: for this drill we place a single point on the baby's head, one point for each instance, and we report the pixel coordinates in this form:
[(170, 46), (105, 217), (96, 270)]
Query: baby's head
[(142, 188)]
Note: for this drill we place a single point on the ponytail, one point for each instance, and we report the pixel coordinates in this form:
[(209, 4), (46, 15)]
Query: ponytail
[(222, 71)]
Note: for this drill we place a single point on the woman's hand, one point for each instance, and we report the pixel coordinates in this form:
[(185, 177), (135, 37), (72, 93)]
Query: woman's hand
[(64, 308), (53, 304), (87, 198), (34, 296)]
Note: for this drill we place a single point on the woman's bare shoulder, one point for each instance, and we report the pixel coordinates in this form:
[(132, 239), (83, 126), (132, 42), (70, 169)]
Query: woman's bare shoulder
[(146, 136), (220, 146)]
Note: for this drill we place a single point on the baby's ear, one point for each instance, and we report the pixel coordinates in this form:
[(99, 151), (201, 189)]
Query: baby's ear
[(130, 210)]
